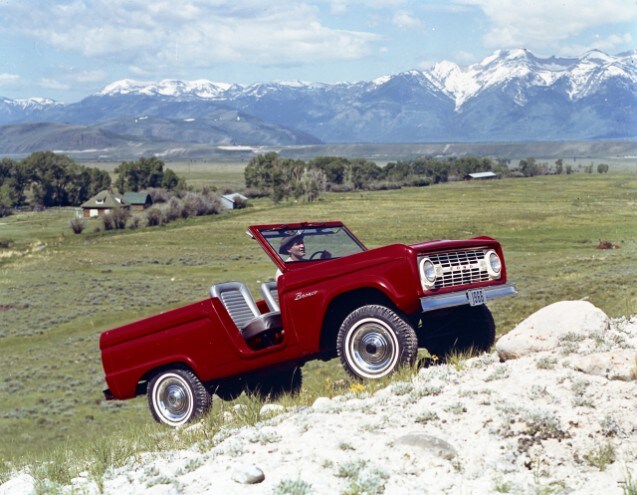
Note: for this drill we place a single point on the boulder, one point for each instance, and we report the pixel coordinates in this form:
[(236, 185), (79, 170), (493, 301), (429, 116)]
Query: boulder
[(546, 328), (23, 483), (429, 443), (247, 474), (620, 364)]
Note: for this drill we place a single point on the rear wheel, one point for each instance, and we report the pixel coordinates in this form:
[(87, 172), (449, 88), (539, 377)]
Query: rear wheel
[(177, 396), (463, 329), (374, 341)]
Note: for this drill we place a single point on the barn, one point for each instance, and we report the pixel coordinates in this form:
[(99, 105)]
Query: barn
[(138, 201)]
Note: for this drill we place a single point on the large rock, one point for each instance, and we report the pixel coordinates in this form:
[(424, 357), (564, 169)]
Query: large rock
[(23, 483), (546, 328), (247, 474), (619, 364)]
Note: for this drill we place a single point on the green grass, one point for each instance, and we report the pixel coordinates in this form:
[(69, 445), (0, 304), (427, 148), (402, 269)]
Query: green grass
[(55, 302)]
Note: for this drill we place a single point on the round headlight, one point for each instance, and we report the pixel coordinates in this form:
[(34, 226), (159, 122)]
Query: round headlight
[(494, 264), (428, 270)]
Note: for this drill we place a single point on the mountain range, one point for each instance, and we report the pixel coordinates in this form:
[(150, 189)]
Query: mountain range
[(512, 95)]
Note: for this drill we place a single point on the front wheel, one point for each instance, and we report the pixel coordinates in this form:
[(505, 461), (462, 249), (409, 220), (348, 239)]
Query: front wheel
[(374, 341), (177, 396)]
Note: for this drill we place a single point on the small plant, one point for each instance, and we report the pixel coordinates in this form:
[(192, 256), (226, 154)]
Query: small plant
[(58, 469), (629, 485), (402, 388), (362, 478), (356, 387), (106, 453), (292, 487), (458, 359), (77, 225), (345, 446), (5, 473), (456, 408), (601, 455), (499, 373), (611, 427), (546, 363), (426, 417), (503, 486), (350, 469)]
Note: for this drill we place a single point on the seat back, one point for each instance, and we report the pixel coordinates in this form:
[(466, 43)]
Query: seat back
[(270, 295), (237, 299)]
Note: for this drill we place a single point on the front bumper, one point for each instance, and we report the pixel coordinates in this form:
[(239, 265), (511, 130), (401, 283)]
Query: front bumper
[(472, 297)]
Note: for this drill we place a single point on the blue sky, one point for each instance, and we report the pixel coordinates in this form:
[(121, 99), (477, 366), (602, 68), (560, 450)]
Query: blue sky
[(67, 50)]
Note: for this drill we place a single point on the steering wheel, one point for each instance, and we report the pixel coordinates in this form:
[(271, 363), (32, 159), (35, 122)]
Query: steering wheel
[(323, 253)]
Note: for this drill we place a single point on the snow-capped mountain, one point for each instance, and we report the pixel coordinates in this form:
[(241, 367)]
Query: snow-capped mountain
[(512, 95), (168, 88)]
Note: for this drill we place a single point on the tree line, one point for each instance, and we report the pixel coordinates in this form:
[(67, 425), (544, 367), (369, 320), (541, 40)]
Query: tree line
[(46, 179), (281, 178)]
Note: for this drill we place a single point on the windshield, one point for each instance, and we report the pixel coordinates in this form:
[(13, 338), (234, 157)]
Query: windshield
[(312, 243)]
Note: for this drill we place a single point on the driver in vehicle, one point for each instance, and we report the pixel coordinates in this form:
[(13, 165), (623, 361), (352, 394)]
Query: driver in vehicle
[(294, 247)]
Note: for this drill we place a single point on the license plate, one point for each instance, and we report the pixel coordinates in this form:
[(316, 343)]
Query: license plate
[(476, 297)]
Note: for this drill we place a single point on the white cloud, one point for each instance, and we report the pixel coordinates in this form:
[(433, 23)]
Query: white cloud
[(192, 33), (545, 24), (608, 44), (92, 76), (404, 19), (54, 84), (7, 79)]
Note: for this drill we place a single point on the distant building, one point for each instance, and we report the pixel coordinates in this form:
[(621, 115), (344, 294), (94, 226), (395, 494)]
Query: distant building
[(102, 203), (138, 201), (230, 201), (481, 176)]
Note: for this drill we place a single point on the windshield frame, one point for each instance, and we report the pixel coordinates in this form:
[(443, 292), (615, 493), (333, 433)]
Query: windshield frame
[(261, 234)]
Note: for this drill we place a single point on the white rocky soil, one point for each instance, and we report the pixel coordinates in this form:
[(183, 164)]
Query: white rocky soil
[(551, 410)]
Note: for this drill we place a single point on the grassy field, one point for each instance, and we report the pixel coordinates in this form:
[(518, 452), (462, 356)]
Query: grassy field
[(59, 291)]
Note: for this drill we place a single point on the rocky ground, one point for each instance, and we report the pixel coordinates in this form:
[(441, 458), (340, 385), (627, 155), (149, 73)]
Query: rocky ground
[(551, 410)]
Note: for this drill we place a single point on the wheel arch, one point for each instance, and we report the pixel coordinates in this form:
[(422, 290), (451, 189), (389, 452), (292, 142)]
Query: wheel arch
[(145, 379), (341, 306)]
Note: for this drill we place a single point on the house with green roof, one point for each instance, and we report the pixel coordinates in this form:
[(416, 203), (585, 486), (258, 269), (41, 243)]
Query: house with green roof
[(138, 201), (102, 203)]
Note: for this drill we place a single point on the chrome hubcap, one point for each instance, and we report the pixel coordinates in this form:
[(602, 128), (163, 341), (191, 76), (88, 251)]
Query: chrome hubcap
[(372, 348), (174, 400)]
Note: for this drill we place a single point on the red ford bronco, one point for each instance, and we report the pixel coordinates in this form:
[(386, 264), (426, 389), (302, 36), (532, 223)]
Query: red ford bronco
[(373, 308)]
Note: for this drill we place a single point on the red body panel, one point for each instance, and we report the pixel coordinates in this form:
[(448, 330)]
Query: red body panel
[(203, 337)]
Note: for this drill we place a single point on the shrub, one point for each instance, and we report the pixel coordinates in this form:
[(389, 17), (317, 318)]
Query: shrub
[(159, 195), (201, 204), (134, 222), (116, 219), (108, 221), (255, 193), (120, 217), (174, 210), (77, 225), (154, 217)]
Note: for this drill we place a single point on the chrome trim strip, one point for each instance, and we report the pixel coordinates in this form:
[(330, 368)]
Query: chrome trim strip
[(452, 299)]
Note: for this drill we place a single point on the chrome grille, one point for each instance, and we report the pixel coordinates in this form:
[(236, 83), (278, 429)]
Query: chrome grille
[(459, 268)]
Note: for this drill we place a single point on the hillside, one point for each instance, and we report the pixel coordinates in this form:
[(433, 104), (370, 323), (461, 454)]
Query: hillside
[(551, 421)]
